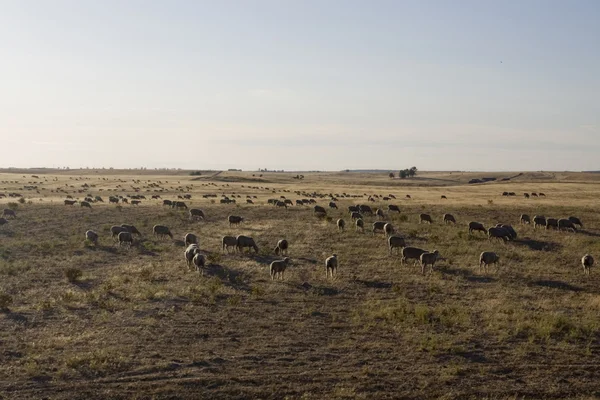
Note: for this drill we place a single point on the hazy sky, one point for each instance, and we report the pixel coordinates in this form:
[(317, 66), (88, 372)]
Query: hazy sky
[(327, 84)]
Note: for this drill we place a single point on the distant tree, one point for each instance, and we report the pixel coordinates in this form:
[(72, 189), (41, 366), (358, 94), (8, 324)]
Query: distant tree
[(391, 175), (412, 171), (403, 174)]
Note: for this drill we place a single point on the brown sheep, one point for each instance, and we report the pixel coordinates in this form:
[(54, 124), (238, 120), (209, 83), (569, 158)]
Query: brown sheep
[(190, 238), (190, 252), (486, 258), (341, 224), (576, 221), (413, 253), (331, 265), (428, 259), (277, 268), (379, 226), (92, 237), (9, 213), (449, 218), (524, 219), (425, 218), (199, 262), (587, 261), (125, 238), (161, 231), (282, 247), (360, 225), (396, 242), (379, 213), (551, 223), (235, 220), (567, 224), (476, 226), (246, 241), (229, 241), (539, 220), (392, 207)]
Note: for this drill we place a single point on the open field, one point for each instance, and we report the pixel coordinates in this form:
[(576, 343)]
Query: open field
[(138, 324)]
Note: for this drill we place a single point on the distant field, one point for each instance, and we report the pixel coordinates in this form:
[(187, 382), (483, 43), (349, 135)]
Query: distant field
[(138, 324)]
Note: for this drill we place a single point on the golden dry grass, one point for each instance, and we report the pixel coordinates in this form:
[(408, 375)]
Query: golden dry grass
[(138, 324)]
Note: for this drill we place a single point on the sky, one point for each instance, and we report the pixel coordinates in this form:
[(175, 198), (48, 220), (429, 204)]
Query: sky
[(475, 85)]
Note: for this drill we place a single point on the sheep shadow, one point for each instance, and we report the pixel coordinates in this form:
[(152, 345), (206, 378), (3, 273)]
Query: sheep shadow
[(374, 284), (537, 245), (556, 285), (588, 233), (231, 277), (468, 275), (9, 234)]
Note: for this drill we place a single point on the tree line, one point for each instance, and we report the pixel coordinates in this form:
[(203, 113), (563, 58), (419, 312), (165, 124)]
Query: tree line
[(405, 173)]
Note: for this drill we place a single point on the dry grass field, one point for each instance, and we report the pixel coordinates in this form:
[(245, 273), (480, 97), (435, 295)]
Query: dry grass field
[(99, 322)]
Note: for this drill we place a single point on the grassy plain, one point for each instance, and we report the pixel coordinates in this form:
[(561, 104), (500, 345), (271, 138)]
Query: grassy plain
[(138, 324)]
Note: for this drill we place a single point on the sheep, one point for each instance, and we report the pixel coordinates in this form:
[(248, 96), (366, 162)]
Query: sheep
[(199, 262), (541, 194), (287, 202), (449, 218), (539, 220), (486, 258), (576, 221), (165, 202), (512, 234), (341, 224), (331, 265), (278, 268), (135, 202), (425, 218), (356, 215), (196, 213), (282, 247), (281, 204), (396, 242), (428, 259), (444, 197), (392, 207), (333, 205), (229, 241), (115, 230), (98, 198), (379, 213), (113, 199), (85, 204), (131, 229), (498, 233), (190, 252), (161, 231), (567, 224), (360, 225), (388, 229), (408, 196), (551, 223), (235, 220), (3, 221), (411, 253), (190, 238), (352, 209), (9, 213), (365, 209), (249, 201), (477, 226), (587, 261), (70, 202), (319, 210), (524, 219), (526, 195), (125, 238), (92, 237), (246, 241), (379, 226)]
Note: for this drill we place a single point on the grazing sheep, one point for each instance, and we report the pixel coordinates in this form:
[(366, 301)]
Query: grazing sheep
[(278, 268), (199, 262), (541, 194), (534, 194), (428, 259), (131, 229), (9, 213), (288, 202), (161, 231), (576, 221), (190, 252), (356, 215), (396, 242), (539, 220), (341, 224), (477, 226), (448, 218), (282, 247), (524, 219), (319, 210), (196, 213), (85, 204), (3, 221), (567, 224), (498, 233), (281, 204), (551, 223), (229, 241), (379, 226), (486, 258), (512, 234), (113, 199), (249, 201), (115, 230), (425, 218), (413, 253), (235, 220), (360, 225), (587, 261), (408, 196), (246, 241), (526, 195), (365, 209), (333, 205), (135, 202), (70, 202), (392, 207), (444, 197), (167, 203), (179, 204), (352, 209), (379, 213), (98, 198), (190, 238), (125, 238), (92, 237), (331, 265)]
